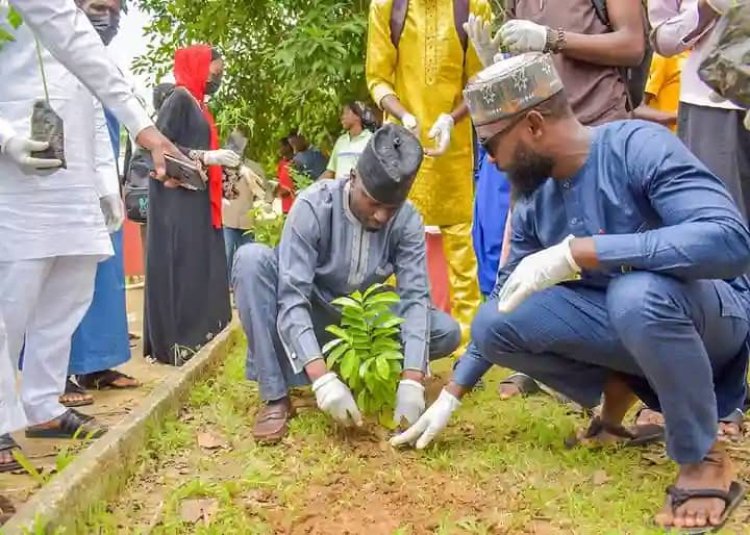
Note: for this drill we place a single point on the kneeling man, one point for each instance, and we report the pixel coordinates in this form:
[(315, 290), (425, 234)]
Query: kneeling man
[(340, 236), (625, 278)]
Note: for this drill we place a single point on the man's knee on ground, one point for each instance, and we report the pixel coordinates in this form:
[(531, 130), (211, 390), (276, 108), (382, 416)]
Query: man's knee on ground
[(445, 337), (250, 261), (643, 295)]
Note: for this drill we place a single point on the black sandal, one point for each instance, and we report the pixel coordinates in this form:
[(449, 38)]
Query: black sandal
[(8, 445), (72, 388), (105, 380), (636, 436), (73, 424), (732, 498), (7, 509), (526, 385)]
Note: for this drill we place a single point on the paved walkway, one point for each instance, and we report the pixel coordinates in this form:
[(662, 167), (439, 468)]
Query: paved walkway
[(110, 406)]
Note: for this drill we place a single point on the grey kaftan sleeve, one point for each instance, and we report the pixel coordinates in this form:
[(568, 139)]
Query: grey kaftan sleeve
[(298, 256), (413, 288)]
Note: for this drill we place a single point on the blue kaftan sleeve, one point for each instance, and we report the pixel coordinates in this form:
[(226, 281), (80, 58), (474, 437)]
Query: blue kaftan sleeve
[(298, 255), (472, 365), (703, 234), (413, 288)]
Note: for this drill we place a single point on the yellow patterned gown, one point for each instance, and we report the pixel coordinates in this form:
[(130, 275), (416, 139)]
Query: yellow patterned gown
[(427, 73)]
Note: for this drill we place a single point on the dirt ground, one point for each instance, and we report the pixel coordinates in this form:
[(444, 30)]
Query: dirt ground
[(500, 467), (110, 406)]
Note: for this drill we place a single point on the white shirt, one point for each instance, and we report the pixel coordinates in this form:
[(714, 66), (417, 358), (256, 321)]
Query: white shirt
[(46, 215), (673, 21), (67, 33)]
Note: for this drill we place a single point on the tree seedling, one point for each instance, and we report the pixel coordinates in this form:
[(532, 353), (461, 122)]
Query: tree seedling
[(366, 349)]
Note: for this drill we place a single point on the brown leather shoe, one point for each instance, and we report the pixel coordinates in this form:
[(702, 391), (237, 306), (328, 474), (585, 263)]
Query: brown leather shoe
[(271, 422)]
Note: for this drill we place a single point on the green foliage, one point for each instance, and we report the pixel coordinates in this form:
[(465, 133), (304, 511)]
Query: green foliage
[(366, 350), (289, 63), (267, 225), (14, 20), (301, 180)]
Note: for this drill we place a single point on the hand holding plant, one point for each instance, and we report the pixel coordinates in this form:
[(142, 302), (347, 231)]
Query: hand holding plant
[(367, 353)]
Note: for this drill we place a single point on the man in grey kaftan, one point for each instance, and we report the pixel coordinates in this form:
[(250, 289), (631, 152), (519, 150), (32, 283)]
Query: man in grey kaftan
[(340, 236)]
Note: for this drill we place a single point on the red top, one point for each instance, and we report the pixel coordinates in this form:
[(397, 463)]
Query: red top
[(285, 182), (191, 70)]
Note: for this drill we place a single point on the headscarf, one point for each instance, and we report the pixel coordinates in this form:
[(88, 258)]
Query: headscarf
[(191, 71)]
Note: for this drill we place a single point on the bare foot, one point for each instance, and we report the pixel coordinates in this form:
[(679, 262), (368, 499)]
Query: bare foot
[(76, 399), (508, 391), (727, 430), (6, 458), (714, 472)]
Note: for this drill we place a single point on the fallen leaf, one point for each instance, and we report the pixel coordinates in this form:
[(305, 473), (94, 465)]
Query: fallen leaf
[(209, 441), (192, 511), (600, 477)]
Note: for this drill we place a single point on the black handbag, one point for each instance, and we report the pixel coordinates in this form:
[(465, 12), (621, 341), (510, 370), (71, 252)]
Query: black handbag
[(135, 189)]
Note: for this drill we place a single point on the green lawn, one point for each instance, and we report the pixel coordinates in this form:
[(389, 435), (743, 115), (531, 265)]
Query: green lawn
[(501, 467)]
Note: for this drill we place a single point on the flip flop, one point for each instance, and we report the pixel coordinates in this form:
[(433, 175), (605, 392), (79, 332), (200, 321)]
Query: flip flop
[(732, 498), (72, 388), (526, 385), (7, 444), (105, 380), (635, 436), (73, 424)]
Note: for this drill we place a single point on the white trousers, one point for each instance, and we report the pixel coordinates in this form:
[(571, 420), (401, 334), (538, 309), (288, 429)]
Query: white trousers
[(43, 302), (12, 417)]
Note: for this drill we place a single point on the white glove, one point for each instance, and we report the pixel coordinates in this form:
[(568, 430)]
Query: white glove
[(430, 423), (524, 36), (410, 123), (409, 401), (223, 157), (537, 272), (336, 399), (719, 6), (480, 33), (114, 214), (746, 122), (19, 150), (441, 133)]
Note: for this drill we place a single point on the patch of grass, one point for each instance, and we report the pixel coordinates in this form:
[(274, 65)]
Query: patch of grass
[(500, 467)]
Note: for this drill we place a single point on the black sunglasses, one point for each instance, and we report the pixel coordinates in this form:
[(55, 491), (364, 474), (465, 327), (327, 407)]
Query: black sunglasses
[(490, 141)]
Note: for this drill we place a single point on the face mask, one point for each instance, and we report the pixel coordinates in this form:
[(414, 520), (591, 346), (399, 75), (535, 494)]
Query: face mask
[(106, 26), (213, 85)]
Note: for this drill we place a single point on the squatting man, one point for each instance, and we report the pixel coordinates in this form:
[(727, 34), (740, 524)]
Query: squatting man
[(625, 280), (340, 236)]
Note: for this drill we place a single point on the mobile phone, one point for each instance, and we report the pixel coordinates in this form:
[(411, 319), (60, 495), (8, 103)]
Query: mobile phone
[(189, 175)]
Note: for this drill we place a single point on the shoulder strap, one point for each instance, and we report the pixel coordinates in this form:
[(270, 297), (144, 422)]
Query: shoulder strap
[(460, 16), (600, 8), (398, 19)]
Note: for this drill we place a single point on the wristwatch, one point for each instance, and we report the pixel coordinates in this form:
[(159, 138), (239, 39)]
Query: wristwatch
[(555, 40)]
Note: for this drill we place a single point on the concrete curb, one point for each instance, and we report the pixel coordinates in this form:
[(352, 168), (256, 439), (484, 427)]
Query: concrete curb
[(103, 468)]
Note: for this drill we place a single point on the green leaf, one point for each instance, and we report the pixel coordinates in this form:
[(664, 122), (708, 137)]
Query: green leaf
[(14, 18), (382, 367), (5, 36), (390, 298), (350, 365), (362, 400), (338, 352), (373, 289), (364, 367), (347, 302), (390, 322), (391, 355), (382, 334), (337, 331), (332, 344)]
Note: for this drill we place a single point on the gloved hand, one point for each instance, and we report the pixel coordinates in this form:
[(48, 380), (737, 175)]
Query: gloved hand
[(335, 398), (410, 123), (537, 272), (409, 401), (719, 6), (430, 423), (223, 157), (441, 133), (113, 211), (480, 33), (19, 150), (746, 122), (523, 36)]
